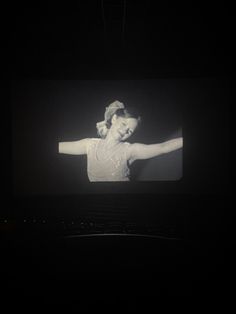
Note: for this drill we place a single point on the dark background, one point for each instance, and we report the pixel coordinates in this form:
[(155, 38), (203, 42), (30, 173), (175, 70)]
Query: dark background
[(190, 41), (108, 40)]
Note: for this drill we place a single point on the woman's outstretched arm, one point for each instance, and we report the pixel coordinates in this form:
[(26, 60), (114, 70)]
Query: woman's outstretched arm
[(142, 151), (73, 148)]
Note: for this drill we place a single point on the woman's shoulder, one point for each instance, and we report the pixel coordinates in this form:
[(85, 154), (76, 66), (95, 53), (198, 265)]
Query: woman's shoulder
[(93, 139), (127, 144), (91, 143)]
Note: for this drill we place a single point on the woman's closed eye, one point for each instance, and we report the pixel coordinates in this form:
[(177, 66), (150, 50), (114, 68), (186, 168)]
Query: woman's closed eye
[(127, 129)]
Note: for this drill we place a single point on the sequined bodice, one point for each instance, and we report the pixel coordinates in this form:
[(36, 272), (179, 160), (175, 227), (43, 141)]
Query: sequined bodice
[(104, 165)]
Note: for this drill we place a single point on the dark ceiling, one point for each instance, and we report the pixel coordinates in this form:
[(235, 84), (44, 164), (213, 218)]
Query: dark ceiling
[(119, 39)]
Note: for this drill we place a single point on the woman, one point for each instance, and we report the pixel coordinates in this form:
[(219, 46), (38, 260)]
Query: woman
[(110, 156)]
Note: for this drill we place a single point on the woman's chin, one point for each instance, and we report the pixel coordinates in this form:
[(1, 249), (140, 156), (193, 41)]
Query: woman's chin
[(124, 138), (117, 138)]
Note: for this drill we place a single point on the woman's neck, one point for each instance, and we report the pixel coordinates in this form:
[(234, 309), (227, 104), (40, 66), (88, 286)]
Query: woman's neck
[(110, 142)]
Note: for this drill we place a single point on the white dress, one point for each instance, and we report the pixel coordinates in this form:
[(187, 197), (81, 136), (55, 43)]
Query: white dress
[(107, 165)]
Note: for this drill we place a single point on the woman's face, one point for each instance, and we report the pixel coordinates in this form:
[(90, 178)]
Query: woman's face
[(123, 128)]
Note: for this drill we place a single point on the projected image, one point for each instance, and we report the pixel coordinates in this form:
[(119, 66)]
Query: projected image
[(111, 155), (68, 135)]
